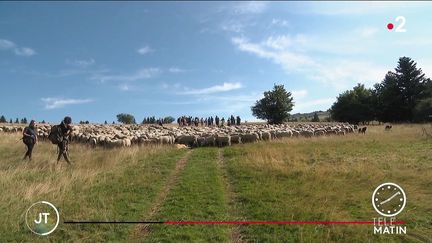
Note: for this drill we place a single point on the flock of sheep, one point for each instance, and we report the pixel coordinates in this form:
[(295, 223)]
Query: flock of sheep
[(126, 135)]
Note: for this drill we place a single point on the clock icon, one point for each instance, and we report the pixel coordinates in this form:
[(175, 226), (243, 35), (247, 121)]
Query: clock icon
[(388, 199)]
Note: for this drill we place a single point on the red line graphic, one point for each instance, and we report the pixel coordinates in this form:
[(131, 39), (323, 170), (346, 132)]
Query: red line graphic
[(270, 222)]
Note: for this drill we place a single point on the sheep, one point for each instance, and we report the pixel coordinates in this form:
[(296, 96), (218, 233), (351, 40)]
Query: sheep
[(127, 135), (223, 140), (265, 136), (307, 133), (206, 141), (189, 140), (126, 142), (235, 139), (249, 138), (166, 140), (93, 142)]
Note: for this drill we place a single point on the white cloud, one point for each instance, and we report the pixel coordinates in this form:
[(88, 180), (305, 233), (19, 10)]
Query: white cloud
[(359, 8), (280, 22), (6, 44), (124, 87), (54, 103), (299, 94), (233, 26), (81, 63), (214, 89), (19, 51), (426, 66), (24, 51), (291, 53), (250, 7), (413, 41), (344, 74), (176, 70), (367, 32), (285, 41), (276, 50), (316, 104), (144, 50), (302, 104), (144, 73)]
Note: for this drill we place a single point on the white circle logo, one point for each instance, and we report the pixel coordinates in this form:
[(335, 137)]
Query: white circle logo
[(388, 199), (40, 218)]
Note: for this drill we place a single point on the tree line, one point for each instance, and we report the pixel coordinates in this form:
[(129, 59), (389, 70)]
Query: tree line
[(130, 119), (405, 95), (17, 121)]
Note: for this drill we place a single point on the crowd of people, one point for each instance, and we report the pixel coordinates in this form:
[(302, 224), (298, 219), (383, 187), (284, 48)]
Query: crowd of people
[(208, 121)]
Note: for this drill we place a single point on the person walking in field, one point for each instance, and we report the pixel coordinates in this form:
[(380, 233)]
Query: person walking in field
[(66, 129), (30, 139), (59, 135)]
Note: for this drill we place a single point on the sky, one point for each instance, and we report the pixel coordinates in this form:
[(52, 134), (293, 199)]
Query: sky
[(93, 60)]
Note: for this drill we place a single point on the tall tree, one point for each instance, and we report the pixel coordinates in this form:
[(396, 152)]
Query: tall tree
[(400, 92), (275, 106), (2, 119)]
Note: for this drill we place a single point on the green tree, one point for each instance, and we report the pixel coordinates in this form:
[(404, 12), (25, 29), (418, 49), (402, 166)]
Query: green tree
[(399, 93), (126, 118), (2, 119), (168, 119), (423, 110), (315, 118), (353, 106), (275, 106)]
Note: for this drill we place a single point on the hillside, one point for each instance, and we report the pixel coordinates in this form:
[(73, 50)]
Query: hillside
[(308, 116), (322, 178)]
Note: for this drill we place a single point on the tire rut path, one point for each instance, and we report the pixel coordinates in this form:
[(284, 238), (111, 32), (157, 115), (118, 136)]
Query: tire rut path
[(143, 230), (235, 232)]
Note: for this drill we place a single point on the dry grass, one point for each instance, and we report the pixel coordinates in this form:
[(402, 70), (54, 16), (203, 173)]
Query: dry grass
[(325, 178), (87, 164), (23, 183), (332, 178)]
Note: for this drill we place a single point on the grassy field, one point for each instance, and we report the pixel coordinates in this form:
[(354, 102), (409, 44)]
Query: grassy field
[(317, 179)]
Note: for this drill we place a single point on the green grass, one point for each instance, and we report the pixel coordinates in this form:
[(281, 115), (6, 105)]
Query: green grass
[(103, 185), (320, 179), (200, 196)]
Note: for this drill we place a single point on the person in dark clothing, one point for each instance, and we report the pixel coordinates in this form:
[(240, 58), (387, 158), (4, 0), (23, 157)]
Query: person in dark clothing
[(66, 129), (30, 139)]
